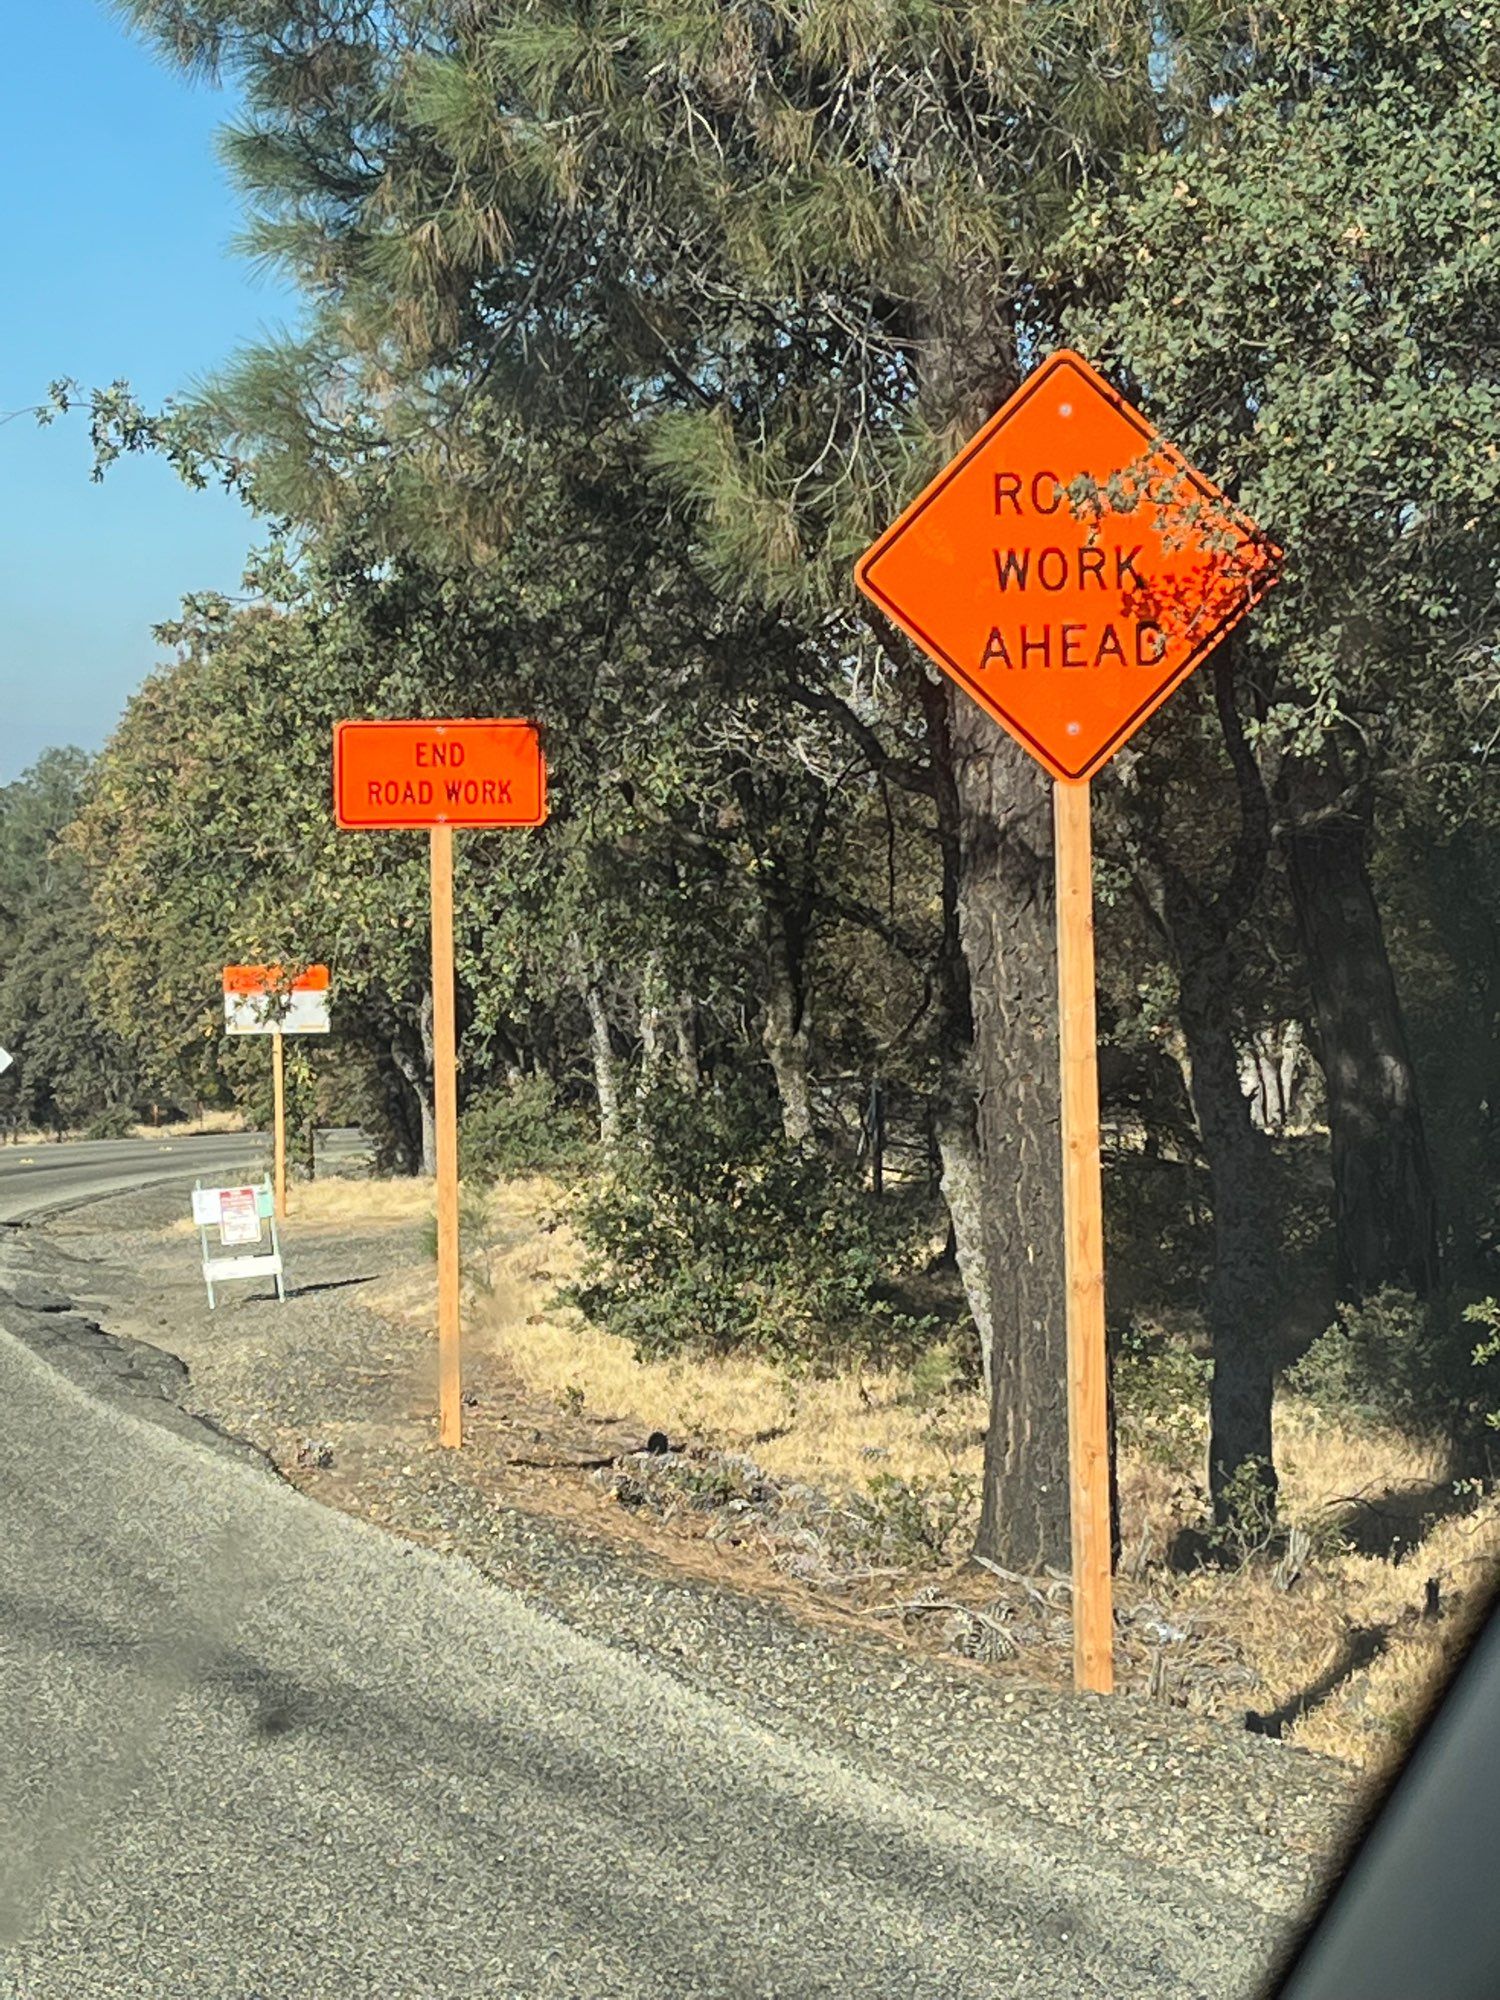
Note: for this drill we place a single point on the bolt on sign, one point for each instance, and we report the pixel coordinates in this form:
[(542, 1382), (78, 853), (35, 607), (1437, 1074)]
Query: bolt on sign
[(1068, 570), (441, 775), (395, 774)]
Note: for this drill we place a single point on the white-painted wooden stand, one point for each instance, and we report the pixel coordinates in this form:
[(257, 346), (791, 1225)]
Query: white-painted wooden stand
[(219, 1267)]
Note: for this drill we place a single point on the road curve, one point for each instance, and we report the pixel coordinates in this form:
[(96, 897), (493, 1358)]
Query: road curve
[(257, 1750), (41, 1178)]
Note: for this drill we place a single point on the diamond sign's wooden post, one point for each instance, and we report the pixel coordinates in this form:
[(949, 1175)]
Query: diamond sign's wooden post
[(441, 775), (1069, 569), (1083, 1243)]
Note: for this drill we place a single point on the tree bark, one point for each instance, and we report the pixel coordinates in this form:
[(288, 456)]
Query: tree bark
[(416, 1068), (962, 1186), (398, 1149), (1007, 903), (994, 810), (952, 1131), (1246, 1289), (606, 1077), (1464, 878), (1269, 1063), (653, 1024), (786, 1029), (1384, 1205), (1245, 1285)]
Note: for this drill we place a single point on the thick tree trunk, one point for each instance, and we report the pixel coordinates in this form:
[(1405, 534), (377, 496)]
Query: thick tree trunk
[(426, 1089), (1465, 906), (994, 810), (399, 1148), (1247, 1289), (1385, 1209), (952, 1133), (1007, 907), (1245, 1285)]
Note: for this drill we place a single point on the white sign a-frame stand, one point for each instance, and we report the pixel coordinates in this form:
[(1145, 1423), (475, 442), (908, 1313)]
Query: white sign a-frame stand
[(220, 1209)]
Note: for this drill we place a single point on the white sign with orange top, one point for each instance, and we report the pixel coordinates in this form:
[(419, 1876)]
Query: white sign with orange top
[(262, 1000)]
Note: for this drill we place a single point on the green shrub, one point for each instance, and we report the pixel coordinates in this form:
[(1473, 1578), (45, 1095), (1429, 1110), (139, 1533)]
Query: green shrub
[(711, 1233), (112, 1123), (475, 1239), (520, 1128), (1408, 1362), (1161, 1395), (1248, 1505), (933, 1375), (912, 1524), (1486, 1358)]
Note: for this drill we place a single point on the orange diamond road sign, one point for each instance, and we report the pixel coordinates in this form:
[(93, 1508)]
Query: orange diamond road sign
[(1070, 618), (395, 774)]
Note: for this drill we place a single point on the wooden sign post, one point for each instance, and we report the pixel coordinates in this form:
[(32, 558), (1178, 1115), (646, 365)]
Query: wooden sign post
[(1083, 1242), (445, 1109), (1070, 612), (278, 1120), (439, 775), (266, 1000)]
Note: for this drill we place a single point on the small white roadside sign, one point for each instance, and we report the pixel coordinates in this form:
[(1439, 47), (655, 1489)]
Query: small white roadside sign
[(237, 1214), (6, 1059)]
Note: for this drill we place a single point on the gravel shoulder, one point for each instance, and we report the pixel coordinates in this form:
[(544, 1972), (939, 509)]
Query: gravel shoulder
[(1229, 1831)]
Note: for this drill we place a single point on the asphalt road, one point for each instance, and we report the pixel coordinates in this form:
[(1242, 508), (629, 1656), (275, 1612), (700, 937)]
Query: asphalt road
[(36, 1180), (256, 1750)]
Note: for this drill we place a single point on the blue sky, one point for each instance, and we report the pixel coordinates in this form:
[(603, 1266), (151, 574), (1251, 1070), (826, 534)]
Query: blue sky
[(118, 262)]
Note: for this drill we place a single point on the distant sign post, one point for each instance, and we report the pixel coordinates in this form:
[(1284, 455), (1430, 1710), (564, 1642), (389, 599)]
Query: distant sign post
[(441, 775), (267, 1000), (1069, 569)]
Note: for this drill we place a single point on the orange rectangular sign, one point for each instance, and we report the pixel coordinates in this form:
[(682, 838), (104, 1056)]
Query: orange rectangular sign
[(270, 979), (395, 774)]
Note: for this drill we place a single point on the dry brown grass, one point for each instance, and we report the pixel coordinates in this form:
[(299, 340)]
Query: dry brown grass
[(1343, 1658), (348, 1204), (833, 1432), (351, 1201), (1344, 1655), (182, 1128), (192, 1128)]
